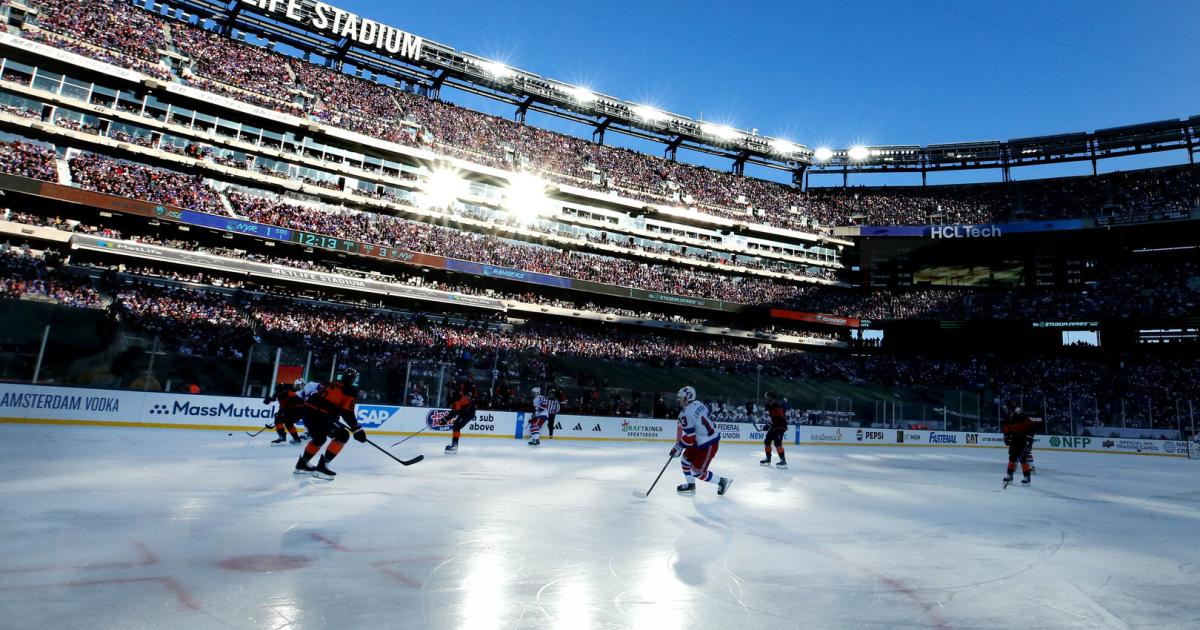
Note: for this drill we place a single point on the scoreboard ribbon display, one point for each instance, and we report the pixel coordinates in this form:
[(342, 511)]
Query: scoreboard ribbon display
[(321, 241), (230, 224)]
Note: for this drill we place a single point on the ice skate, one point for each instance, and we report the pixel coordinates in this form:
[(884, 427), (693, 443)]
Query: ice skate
[(322, 471)]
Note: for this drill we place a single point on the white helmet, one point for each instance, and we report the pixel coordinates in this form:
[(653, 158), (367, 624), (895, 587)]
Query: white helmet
[(537, 391), (298, 384), (686, 395)]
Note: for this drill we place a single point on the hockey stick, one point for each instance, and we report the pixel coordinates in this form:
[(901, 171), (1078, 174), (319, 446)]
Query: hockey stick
[(660, 474), (409, 462), (409, 437), (256, 433), (406, 462)]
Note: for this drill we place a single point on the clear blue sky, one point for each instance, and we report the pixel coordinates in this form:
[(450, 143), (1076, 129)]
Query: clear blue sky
[(842, 73)]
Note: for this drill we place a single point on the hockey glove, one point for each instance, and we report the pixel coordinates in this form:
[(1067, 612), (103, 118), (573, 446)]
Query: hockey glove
[(360, 435), (676, 451), (1008, 439)]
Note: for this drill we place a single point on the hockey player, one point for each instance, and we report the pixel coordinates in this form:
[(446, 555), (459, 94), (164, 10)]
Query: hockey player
[(1018, 436), (555, 409), (462, 413), (1029, 453), (697, 440), (306, 390), (290, 409), (322, 412), (541, 413), (775, 428)]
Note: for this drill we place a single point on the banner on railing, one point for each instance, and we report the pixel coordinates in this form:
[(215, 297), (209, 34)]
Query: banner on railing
[(99, 407)]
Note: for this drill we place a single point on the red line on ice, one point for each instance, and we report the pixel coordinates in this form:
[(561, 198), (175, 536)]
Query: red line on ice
[(171, 584), (148, 559)]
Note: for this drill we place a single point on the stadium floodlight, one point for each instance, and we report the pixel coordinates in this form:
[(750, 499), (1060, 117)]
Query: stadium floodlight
[(858, 154), (582, 95), (783, 147), (526, 198), (443, 187), (497, 69), (823, 154), (718, 131), (647, 113)]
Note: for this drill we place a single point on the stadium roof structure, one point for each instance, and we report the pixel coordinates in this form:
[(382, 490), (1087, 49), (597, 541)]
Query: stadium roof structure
[(1165, 135), (333, 36), (306, 26)]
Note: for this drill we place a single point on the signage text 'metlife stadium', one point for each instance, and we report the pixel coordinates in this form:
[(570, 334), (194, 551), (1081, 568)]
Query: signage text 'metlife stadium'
[(342, 23)]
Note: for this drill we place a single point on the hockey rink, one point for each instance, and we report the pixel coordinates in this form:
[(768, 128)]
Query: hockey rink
[(144, 528)]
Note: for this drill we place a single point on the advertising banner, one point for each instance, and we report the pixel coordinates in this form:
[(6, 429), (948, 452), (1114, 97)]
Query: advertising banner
[(816, 318), (98, 407), (69, 405), (971, 231)]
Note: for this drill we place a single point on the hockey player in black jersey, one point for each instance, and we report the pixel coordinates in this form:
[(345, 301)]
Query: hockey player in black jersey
[(1018, 436)]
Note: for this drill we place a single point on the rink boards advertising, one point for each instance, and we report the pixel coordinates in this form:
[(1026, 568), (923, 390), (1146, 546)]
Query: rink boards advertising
[(39, 404)]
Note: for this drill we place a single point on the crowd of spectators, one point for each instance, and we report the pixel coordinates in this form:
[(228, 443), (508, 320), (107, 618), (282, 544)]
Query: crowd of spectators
[(1125, 290), (385, 337), (274, 80), (110, 31), (57, 223), (187, 321), (422, 237), (136, 181), (1081, 390), (363, 106), (28, 160), (1120, 289), (26, 273), (23, 112), (245, 67)]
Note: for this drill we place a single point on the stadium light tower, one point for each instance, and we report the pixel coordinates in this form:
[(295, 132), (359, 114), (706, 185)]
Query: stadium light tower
[(497, 69), (783, 147), (823, 154), (858, 154), (720, 132), (647, 113), (582, 95), (526, 198), (443, 188)]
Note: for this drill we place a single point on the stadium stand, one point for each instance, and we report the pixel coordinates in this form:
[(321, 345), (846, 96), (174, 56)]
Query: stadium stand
[(275, 81), (620, 218)]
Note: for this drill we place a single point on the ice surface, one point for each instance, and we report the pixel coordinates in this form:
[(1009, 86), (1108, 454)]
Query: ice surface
[(141, 528)]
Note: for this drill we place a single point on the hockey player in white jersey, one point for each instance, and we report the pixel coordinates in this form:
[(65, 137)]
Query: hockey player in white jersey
[(305, 391), (541, 413), (697, 440)]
